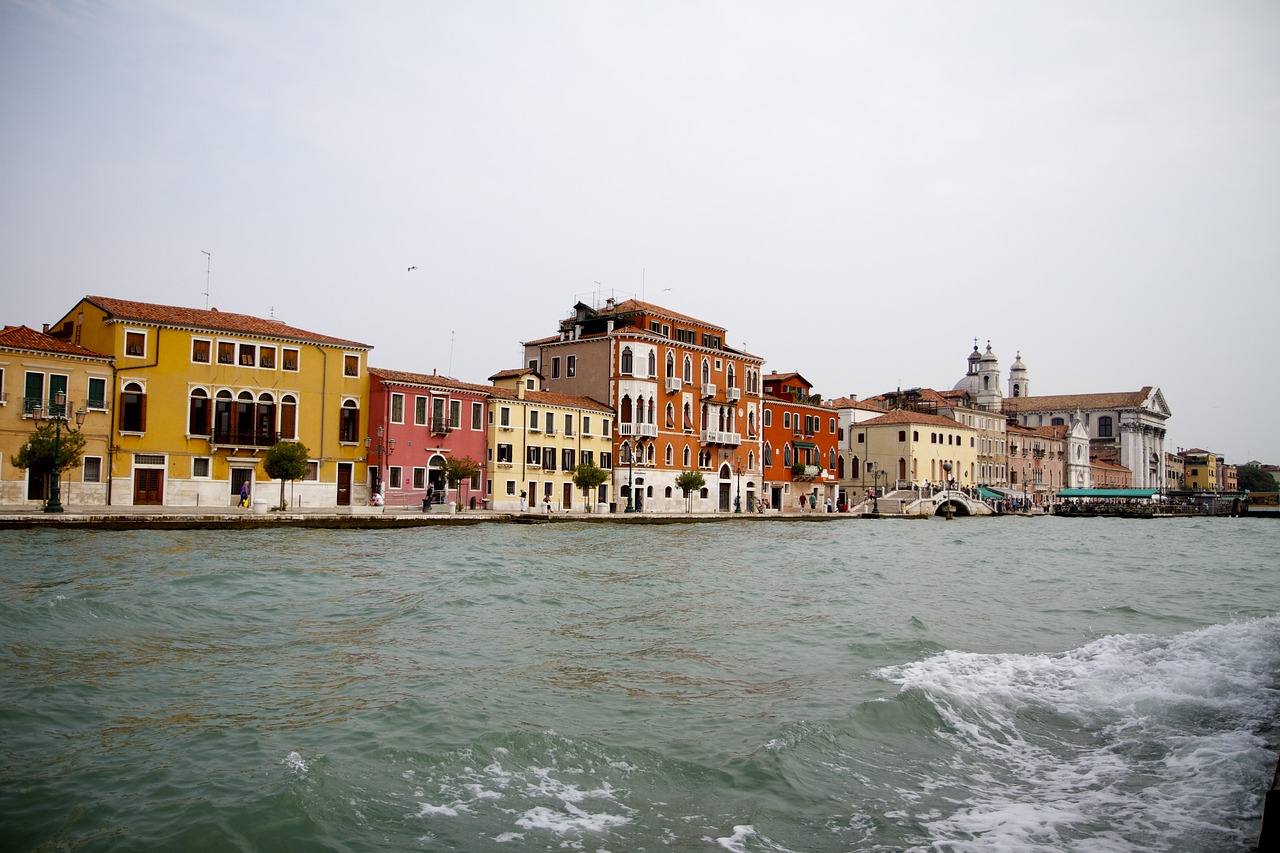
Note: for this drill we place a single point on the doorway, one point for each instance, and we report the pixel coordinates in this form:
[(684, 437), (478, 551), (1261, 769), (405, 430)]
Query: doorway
[(148, 486), (344, 483), (240, 476)]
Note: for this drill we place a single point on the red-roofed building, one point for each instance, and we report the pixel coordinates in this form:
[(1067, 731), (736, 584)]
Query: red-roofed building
[(416, 422), (198, 397), (683, 399), (801, 451), (35, 369)]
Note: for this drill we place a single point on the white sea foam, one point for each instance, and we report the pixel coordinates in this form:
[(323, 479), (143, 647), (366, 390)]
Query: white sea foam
[(1128, 737), (295, 763), (571, 819)]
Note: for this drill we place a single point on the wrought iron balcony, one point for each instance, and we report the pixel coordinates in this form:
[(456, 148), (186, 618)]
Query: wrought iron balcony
[(711, 436), (244, 437), (628, 430)]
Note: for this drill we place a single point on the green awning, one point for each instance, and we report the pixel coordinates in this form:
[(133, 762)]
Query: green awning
[(804, 444), (984, 492), (1108, 493)]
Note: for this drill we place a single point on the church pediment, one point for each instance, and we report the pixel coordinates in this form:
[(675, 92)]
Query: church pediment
[(1156, 404)]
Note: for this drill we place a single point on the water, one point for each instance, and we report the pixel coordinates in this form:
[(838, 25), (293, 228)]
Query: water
[(1003, 684)]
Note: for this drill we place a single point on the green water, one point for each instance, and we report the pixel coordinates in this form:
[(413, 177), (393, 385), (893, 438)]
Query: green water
[(1016, 684)]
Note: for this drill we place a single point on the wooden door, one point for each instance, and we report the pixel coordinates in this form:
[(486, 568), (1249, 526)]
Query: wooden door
[(344, 483), (568, 496), (148, 487)]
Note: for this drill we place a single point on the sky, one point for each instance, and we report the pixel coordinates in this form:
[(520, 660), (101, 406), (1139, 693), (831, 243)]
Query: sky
[(853, 190)]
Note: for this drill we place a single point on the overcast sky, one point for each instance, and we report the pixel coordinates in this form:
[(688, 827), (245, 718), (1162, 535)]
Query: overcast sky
[(855, 190)]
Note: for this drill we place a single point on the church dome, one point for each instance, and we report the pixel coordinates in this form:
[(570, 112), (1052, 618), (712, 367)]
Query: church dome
[(1017, 362), (989, 356)]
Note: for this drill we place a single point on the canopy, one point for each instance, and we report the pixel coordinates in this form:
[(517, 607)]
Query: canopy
[(803, 444), (1108, 493), (989, 494)]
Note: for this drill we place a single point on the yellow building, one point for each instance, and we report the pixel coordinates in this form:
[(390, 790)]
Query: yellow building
[(34, 369), (904, 449), (536, 440), (1201, 470), (198, 397)]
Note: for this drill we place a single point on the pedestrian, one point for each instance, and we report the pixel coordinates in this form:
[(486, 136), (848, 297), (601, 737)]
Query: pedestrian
[(244, 493), (547, 501), (813, 501), (524, 502), (827, 503)]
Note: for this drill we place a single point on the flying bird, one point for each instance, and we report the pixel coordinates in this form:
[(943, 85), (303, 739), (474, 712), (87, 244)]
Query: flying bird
[(411, 269)]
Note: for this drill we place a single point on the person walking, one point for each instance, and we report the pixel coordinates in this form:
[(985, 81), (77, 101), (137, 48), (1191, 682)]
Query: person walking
[(244, 493)]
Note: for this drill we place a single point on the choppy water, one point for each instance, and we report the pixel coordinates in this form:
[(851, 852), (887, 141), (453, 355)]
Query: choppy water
[(1006, 684)]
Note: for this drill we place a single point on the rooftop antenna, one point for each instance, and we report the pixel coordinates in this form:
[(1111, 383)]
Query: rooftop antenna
[(599, 286), (208, 264), (642, 299), (449, 372)]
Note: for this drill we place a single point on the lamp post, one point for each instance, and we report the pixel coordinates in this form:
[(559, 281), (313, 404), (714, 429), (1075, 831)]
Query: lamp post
[(946, 470), (737, 469), (57, 413), (875, 487), (390, 447)]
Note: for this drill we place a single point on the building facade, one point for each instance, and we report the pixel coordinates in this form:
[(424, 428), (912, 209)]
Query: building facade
[(905, 449), (801, 450), (199, 396), (35, 369), (416, 422), (537, 440), (683, 399)]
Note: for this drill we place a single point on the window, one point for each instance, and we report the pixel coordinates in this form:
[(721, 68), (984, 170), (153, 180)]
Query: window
[(92, 466), (786, 420), (200, 350), (533, 421), (549, 458), (248, 353), (533, 455), (768, 417), (97, 393), (706, 372), (555, 367), (571, 366), (394, 476), (135, 344), (349, 422), (568, 424), (606, 459), (288, 417), (860, 438), (419, 478), (289, 359), (1104, 426), (198, 412), (504, 417), (133, 408), (350, 365), (313, 471), (588, 457), (226, 352), (420, 411), (627, 365), (653, 363), (267, 357), (397, 408), (768, 454), (511, 487), (586, 425), (455, 414), (566, 459), (688, 369), (200, 466), (915, 435), (504, 453), (671, 366), (477, 415), (604, 427), (831, 426)]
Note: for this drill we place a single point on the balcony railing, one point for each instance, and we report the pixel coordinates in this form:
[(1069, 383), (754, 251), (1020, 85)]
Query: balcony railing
[(674, 384), (628, 430), (440, 426), (733, 395), (244, 437), (711, 436), (708, 391)]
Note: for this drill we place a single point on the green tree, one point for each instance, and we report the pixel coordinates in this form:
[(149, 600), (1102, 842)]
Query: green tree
[(457, 469), (37, 453), (588, 477), (689, 482), (1251, 478), (286, 461)]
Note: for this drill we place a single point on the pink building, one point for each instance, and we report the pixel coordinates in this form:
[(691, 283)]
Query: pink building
[(416, 422)]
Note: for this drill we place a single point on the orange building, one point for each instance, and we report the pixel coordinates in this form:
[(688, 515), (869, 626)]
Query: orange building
[(801, 453), (683, 399)]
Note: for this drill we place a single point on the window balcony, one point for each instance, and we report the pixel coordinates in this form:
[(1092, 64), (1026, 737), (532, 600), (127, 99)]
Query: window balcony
[(674, 384), (708, 391), (440, 426), (244, 437), (630, 430), (733, 395), (711, 436)]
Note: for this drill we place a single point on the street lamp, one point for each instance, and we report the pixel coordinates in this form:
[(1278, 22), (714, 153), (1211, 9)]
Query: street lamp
[(380, 486), (737, 469), (875, 487), (57, 414)]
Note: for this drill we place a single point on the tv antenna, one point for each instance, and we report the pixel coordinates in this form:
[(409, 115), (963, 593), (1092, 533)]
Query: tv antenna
[(208, 266)]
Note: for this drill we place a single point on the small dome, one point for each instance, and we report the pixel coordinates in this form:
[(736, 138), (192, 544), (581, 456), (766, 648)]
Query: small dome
[(1017, 362), (989, 355)]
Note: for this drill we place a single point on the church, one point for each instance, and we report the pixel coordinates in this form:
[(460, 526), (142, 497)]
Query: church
[(1124, 427)]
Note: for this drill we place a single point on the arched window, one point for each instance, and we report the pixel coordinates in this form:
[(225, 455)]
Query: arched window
[(671, 366), (627, 366), (349, 421), (751, 423), (670, 455), (624, 410), (706, 372), (688, 369), (650, 454), (671, 416), (703, 424), (786, 456), (768, 417), (688, 417), (653, 363), (222, 417), (198, 412), (133, 408), (688, 455), (831, 459), (264, 428), (730, 377), (768, 454), (751, 461)]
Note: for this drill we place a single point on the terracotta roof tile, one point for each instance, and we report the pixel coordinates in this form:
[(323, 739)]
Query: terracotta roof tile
[(432, 380), (1067, 402), (20, 337), (905, 416), (550, 398), (212, 320)]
